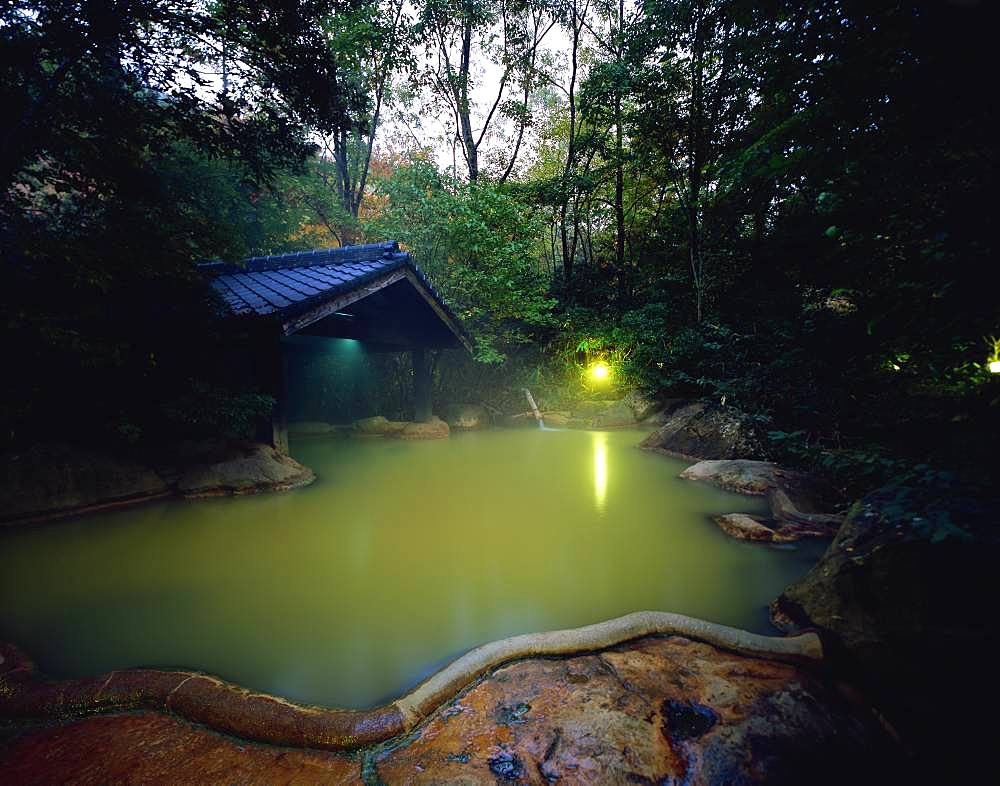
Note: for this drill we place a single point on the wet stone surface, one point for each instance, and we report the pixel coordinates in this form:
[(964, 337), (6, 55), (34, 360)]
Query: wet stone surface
[(658, 710)]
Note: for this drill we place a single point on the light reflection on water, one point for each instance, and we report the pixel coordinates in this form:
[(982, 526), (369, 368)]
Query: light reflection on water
[(600, 468), (401, 556)]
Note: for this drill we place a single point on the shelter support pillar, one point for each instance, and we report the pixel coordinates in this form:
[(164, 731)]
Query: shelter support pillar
[(279, 417), (421, 385), (274, 430)]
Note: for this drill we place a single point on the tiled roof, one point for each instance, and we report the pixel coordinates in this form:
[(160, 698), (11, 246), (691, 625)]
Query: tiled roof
[(269, 285), (289, 284)]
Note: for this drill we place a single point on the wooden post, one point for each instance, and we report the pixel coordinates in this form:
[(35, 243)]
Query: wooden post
[(273, 430), (421, 385), (279, 417)]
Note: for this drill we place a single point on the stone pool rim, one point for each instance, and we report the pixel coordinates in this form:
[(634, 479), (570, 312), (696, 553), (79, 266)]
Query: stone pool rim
[(232, 709)]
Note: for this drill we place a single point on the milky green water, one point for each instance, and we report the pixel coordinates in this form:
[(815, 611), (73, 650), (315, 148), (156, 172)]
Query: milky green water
[(400, 557)]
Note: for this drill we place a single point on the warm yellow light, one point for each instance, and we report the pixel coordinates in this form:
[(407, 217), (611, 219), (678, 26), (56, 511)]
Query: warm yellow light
[(600, 371), (995, 366), (600, 468)]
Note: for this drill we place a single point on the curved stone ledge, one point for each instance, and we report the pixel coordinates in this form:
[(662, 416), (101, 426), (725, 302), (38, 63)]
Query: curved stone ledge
[(229, 708)]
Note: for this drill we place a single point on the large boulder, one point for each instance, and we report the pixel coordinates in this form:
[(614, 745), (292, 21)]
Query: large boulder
[(47, 481), (906, 598), (244, 468), (642, 406), (743, 526), (379, 426), (435, 428), (664, 711), (467, 416), (699, 431), (796, 499)]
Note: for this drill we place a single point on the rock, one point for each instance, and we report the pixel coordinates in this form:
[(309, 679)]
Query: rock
[(666, 710), (467, 416), (698, 431), (665, 409), (906, 596), (793, 496), (520, 420), (591, 407), (556, 419), (48, 481), (742, 476), (745, 527), (641, 405), (378, 426), (307, 428), (656, 710), (149, 748), (435, 428), (245, 468), (617, 415)]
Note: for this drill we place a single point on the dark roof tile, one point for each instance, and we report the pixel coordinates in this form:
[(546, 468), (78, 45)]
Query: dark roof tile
[(289, 284)]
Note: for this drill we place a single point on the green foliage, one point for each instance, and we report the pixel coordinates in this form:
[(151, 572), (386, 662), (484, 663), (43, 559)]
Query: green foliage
[(122, 165), (208, 411), (479, 245), (744, 213)]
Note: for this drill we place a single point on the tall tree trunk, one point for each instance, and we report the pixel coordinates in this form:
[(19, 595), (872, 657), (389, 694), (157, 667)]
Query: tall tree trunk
[(464, 109), (568, 246), (620, 206), (623, 283), (696, 161)]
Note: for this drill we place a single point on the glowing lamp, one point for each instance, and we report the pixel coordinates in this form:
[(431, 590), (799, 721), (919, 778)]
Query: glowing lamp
[(995, 366), (599, 371)]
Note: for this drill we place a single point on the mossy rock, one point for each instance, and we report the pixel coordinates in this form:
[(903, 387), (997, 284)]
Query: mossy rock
[(247, 468), (703, 432), (52, 480), (379, 426), (435, 428), (905, 598)]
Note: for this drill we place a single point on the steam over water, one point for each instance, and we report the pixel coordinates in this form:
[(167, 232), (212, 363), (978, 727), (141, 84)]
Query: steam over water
[(400, 557)]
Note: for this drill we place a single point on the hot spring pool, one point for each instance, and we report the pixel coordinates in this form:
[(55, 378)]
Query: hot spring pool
[(400, 557)]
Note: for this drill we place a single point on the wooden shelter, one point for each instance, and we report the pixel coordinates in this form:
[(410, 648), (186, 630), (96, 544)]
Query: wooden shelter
[(372, 293)]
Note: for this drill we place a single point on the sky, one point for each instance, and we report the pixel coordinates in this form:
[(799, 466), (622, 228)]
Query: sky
[(427, 124)]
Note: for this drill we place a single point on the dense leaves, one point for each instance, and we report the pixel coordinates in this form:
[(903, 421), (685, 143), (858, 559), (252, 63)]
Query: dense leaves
[(781, 205), (140, 137), (479, 244)]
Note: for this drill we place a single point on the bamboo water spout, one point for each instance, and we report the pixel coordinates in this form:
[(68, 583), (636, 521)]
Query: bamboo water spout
[(534, 408)]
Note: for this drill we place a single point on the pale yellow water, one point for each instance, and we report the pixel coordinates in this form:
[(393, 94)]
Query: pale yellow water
[(400, 557)]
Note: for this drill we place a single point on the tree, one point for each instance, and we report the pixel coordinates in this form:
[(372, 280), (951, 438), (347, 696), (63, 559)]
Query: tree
[(119, 117), (509, 33), (479, 243), (372, 45)]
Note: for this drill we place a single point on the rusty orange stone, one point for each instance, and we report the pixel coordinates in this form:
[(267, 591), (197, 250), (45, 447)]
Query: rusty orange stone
[(656, 710)]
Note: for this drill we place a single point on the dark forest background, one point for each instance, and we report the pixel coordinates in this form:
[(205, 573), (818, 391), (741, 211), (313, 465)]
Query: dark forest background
[(780, 206)]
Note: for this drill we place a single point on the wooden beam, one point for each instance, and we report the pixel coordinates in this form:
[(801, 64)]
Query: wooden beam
[(418, 285), (341, 302)]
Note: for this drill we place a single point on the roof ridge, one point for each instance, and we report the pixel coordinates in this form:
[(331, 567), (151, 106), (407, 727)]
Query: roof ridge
[(366, 252)]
